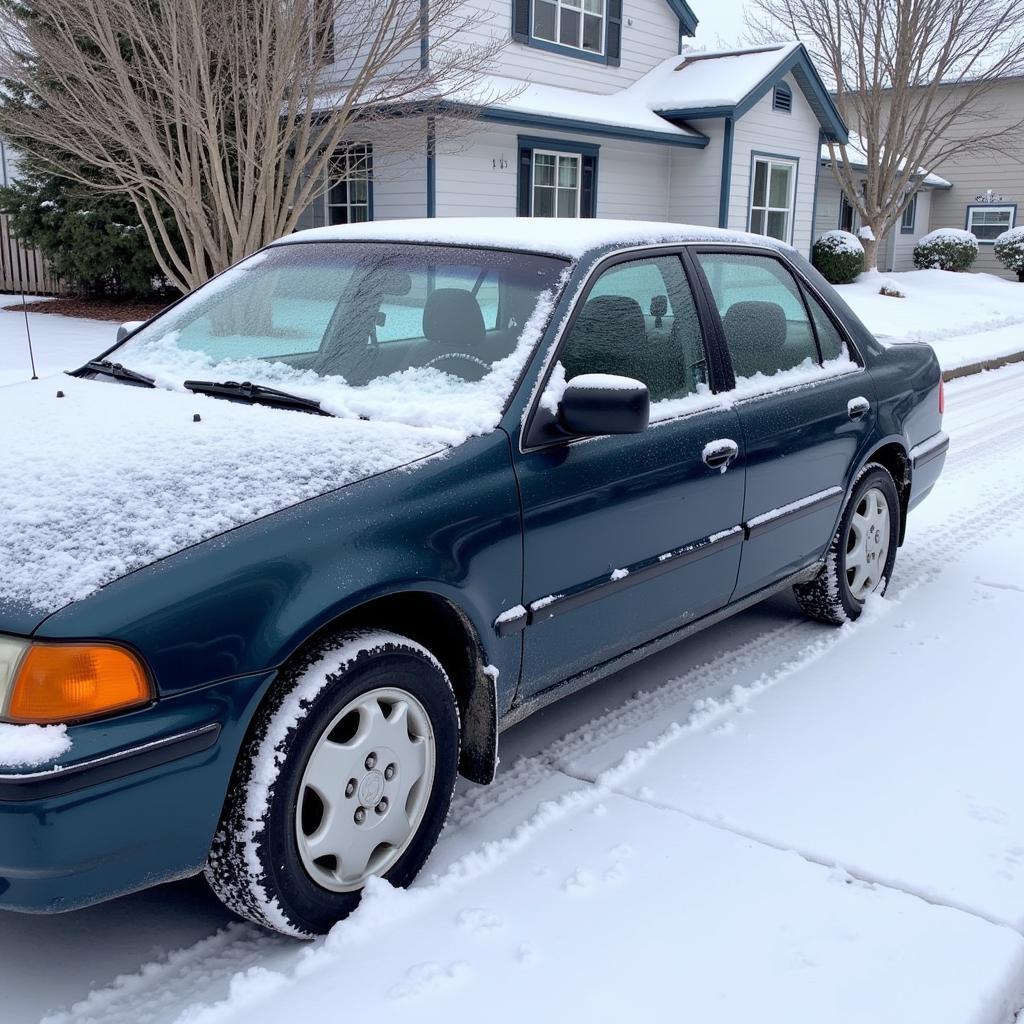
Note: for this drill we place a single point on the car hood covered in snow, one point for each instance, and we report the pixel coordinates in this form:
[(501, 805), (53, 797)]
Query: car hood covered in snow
[(110, 478)]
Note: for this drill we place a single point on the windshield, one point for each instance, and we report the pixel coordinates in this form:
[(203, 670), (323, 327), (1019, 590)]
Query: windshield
[(427, 335)]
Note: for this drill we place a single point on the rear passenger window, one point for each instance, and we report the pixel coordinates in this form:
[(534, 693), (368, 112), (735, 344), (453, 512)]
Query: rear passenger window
[(640, 321), (763, 316), (830, 341)]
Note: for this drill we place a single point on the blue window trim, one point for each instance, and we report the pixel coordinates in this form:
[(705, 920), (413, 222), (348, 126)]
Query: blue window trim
[(802, 69), (431, 169), (565, 51), (789, 158), (987, 206), (783, 89), (726, 184), (905, 228), (564, 124), (556, 145), (814, 201)]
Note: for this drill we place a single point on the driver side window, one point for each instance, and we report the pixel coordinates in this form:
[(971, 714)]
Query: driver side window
[(639, 320)]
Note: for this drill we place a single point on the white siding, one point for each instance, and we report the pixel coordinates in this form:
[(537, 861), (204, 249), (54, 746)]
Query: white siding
[(794, 135), (903, 245), (830, 197), (650, 33), (697, 179), (632, 177)]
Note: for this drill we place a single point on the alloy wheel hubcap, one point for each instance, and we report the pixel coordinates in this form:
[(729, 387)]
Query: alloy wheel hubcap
[(867, 544), (365, 789)]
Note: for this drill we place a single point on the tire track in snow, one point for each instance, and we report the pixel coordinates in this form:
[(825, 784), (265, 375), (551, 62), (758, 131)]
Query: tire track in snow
[(164, 991)]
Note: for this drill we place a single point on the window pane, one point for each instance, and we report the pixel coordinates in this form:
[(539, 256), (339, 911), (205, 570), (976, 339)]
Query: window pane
[(592, 27), (360, 214), (757, 222), (777, 225), (830, 341), (765, 323), (594, 6), (543, 169), (339, 192), (760, 177), (567, 171), (566, 202), (616, 333), (543, 202), (337, 215), (544, 20), (569, 32), (778, 193)]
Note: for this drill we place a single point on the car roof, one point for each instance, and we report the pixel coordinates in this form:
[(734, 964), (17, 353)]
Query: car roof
[(570, 239)]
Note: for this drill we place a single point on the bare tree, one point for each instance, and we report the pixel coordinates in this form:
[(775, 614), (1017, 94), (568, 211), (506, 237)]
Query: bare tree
[(225, 112), (913, 79)]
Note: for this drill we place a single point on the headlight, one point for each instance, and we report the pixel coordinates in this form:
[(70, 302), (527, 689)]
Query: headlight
[(44, 683)]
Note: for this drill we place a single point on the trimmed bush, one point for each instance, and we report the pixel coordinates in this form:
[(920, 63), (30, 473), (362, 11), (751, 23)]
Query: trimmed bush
[(839, 256), (946, 249), (1009, 250)]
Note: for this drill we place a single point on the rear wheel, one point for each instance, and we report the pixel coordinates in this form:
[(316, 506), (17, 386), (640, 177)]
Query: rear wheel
[(347, 774), (862, 554)]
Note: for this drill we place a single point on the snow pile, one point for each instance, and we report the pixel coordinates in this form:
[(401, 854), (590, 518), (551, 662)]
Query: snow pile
[(841, 241), (949, 235), (111, 478), (27, 746), (865, 234), (964, 317)]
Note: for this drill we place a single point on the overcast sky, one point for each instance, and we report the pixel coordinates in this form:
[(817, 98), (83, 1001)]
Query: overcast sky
[(720, 21)]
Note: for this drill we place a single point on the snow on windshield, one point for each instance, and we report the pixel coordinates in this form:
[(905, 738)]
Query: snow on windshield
[(426, 336)]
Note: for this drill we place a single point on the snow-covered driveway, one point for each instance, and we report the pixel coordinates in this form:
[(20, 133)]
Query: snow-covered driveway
[(790, 823)]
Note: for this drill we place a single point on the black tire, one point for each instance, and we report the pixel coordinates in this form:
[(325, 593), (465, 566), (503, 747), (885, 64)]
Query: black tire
[(828, 597), (255, 866)]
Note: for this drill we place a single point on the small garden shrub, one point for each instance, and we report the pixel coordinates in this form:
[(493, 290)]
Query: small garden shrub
[(838, 256), (1009, 250), (946, 249), (888, 288)]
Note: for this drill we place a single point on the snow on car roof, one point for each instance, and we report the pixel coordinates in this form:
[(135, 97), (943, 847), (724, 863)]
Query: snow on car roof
[(566, 238)]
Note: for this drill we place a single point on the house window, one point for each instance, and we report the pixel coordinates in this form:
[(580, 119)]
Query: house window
[(909, 216), (348, 185), (782, 98), (771, 198), (847, 215), (987, 223), (576, 23), (556, 184)]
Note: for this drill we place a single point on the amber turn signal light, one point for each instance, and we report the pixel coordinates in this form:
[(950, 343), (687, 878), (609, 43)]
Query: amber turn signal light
[(69, 682)]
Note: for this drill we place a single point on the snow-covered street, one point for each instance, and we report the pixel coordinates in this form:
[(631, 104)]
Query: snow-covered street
[(774, 820)]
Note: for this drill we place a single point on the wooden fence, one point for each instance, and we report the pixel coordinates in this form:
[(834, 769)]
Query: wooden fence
[(22, 268)]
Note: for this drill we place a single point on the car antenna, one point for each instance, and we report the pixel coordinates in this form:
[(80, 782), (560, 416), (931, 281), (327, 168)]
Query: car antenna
[(28, 334)]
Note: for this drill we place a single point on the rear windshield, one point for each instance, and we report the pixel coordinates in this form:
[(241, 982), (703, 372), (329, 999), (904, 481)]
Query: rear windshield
[(401, 332)]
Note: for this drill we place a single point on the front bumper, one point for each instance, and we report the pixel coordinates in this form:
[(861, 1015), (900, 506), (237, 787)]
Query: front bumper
[(135, 804)]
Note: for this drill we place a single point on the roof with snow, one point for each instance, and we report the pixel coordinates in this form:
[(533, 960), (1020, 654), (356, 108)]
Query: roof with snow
[(566, 238), (856, 155)]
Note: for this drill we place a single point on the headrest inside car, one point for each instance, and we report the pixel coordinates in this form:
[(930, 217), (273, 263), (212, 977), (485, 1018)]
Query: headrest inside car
[(452, 317), (755, 332)]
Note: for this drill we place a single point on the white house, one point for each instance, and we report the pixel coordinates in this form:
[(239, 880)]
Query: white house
[(592, 110)]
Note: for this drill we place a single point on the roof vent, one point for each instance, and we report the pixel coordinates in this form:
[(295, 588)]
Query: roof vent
[(782, 98)]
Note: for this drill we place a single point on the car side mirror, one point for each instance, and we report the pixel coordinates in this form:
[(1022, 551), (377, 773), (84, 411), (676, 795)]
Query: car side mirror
[(128, 327), (602, 403)]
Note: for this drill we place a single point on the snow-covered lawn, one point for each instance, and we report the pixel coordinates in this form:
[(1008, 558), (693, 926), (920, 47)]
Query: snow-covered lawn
[(59, 342), (966, 318), (774, 821)]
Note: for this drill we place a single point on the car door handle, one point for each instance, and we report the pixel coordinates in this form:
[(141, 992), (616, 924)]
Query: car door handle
[(719, 454), (857, 407)]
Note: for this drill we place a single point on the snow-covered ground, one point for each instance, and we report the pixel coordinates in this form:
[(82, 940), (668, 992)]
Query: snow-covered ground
[(773, 821), (59, 342), (966, 318)]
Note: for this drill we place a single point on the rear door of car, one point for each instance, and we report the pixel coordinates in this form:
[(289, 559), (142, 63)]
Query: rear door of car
[(628, 536), (805, 404)]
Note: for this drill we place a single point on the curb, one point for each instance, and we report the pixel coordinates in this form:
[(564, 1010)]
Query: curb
[(984, 364)]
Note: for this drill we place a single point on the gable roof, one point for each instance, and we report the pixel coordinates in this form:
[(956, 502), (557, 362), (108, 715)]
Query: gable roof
[(856, 157), (728, 83)]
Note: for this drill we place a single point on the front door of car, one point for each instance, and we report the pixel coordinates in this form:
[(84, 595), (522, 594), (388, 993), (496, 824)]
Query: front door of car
[(628, 536), (806, 409)]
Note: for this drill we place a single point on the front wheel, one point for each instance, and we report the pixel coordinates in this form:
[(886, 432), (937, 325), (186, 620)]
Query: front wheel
[(347, 773), (862, 554)]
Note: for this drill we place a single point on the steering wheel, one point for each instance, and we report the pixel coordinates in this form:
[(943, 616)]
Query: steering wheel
[(477, 368)]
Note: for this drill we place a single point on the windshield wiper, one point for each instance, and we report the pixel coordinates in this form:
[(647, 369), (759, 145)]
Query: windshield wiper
[(117, 371), (260, 394)]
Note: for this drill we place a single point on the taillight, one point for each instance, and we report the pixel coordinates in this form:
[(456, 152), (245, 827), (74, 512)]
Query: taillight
[(942, 397)]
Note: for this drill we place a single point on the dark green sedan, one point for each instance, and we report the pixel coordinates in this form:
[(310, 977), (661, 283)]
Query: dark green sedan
[(284, 561)]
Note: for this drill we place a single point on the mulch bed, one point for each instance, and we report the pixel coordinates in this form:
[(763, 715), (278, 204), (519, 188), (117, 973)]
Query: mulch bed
[(91, 309)]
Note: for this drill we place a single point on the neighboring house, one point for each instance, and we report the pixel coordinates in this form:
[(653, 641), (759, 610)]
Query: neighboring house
[(591, 110), (833, 210)]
